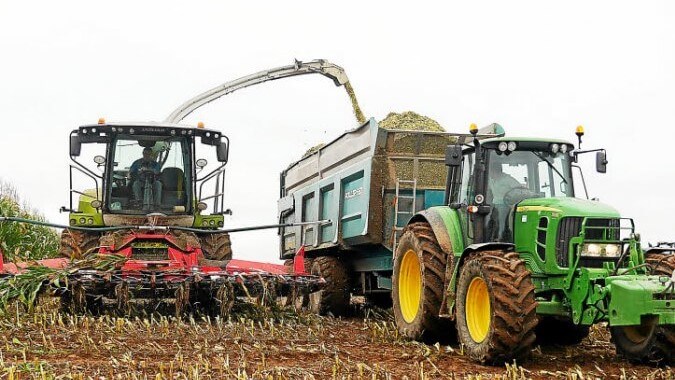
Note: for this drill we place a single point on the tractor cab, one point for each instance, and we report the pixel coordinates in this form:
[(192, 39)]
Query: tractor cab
[(497, 174), (146, 168)]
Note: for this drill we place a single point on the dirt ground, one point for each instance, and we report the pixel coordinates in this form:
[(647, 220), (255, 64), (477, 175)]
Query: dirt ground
[(48, 345)]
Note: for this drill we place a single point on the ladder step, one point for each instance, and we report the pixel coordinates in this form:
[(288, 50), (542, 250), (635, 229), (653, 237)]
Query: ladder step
[(405, 197), (405, 212), (406, 181)]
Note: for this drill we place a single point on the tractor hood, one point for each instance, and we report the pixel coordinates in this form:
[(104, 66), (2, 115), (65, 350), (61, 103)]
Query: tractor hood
[(568, 206)]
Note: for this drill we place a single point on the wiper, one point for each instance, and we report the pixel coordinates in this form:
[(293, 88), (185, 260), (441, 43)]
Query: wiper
[(550, 164)]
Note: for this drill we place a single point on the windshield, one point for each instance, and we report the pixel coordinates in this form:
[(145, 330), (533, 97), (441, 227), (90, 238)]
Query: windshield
[(534, 174), (521, 175), (149, 174)]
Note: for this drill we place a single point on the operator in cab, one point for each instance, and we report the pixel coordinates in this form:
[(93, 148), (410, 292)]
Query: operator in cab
[(145, 172), (499, 185)]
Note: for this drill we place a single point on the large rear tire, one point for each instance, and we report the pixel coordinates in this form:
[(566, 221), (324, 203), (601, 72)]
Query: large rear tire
[(648, 343), (335, 296), (417, 283), (496, 308), (78, 244), (216, 246)]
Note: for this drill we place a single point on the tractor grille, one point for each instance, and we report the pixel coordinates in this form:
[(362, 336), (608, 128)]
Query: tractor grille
[(149, 254), (571, 227)]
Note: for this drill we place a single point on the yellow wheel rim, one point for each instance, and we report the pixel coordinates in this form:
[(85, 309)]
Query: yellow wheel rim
[(478, 309), (410, 285)]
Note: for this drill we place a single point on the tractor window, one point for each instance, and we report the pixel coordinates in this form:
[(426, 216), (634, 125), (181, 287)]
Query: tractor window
[(149, 174), (520, 175), (466, 190)]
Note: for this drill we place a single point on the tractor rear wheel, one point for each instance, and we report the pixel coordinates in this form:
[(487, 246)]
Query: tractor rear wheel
[(216, 246), (77, 244), (335, 296), (417, 283), (496, 308), (562, 332), (648, 342)]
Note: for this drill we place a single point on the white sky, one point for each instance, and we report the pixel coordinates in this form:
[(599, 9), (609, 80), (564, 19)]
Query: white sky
[(536, 67)]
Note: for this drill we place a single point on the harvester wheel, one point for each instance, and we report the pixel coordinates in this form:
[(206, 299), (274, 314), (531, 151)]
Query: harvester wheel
[(648, 342), (418, 277), (77, 244), (563, 332), (216, 246), (496, 309), (334, 298)]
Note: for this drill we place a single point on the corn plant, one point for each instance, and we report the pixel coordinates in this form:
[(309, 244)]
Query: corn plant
[(21, 242)]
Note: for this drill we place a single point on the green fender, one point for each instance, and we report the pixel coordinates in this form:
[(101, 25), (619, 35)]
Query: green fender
[(446, 224)]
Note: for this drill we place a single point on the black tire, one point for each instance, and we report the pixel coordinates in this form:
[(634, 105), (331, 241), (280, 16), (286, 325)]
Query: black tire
[(418, 241), (508, 328), (553, 331), (78, 244), (648, 343), (335, 297), (216, 246)]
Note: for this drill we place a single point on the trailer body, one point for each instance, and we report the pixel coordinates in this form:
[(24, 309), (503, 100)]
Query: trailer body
[(368, 182)]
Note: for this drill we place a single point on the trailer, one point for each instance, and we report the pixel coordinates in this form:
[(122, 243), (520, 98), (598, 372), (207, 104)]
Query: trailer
[(368, 183)]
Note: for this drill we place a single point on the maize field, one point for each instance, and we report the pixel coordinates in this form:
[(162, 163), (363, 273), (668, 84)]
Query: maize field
[(45, 344)]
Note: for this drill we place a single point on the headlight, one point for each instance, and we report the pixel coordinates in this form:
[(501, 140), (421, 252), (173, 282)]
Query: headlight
[(512, 146), (555, 148), (83, 220), (601, 250), (502, 146)]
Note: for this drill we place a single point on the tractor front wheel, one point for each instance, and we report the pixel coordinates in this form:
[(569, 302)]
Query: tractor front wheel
[(417, 283), (496, 308), (77, 244), (648, 342), (216, 246)]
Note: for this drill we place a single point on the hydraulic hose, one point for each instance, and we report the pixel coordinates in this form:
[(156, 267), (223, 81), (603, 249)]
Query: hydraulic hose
[(164, 228)]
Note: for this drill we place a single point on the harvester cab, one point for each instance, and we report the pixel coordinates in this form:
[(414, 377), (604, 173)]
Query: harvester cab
[(145, 168), (516, 256)]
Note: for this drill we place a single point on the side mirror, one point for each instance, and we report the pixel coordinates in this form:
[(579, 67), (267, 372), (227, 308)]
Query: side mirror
[(222, 151), (75, 146), (601, 162), (453, 155)]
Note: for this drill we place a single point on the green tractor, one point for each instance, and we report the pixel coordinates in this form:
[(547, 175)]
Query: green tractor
[(515, 258)]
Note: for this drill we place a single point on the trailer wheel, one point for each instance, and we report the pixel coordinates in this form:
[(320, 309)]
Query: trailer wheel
[(334, 298), (216, 246), (648, 342), (563, 332), (417, 283), (496, 309), (77, 244)]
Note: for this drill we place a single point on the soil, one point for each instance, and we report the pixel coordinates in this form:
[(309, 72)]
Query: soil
[(305, 347)]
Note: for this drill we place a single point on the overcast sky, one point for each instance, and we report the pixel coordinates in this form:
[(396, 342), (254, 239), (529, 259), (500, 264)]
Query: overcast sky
[(538, 68)]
